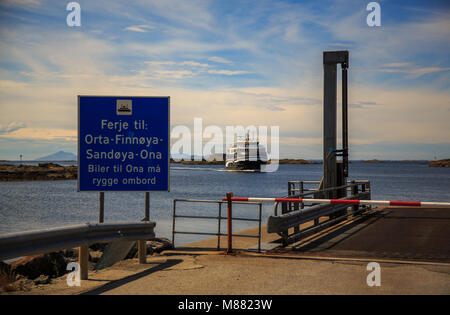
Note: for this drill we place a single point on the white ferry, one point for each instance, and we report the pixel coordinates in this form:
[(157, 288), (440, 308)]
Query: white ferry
[(246, 154)]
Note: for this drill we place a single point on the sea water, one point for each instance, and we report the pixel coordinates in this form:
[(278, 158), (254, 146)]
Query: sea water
[(35, 205)]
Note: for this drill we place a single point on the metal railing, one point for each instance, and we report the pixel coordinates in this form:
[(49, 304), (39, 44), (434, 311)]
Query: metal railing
[(292, 185), (353, 187), (219, 218), (293, 214), (14, 245)]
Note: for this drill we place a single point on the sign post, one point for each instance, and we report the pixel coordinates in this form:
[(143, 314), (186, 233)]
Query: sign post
[(123, 144), (147, 206), (101, 207)]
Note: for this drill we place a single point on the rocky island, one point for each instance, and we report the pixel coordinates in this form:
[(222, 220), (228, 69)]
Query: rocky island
[(43, 171), (196, 162), (53, 171), (372, 161), (440, 163), (297, 161)]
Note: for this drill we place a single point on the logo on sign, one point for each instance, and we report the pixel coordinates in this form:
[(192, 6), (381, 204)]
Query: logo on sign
[(124, 107)]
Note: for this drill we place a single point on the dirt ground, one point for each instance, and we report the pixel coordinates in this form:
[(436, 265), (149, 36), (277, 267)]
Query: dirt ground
[(217, 273), (199, 269)]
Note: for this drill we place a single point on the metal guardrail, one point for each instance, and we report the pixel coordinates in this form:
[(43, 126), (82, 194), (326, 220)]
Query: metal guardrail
[(295, 213), (219, 218), (14, 245), (353, 186), (43, 241), (278, 224)]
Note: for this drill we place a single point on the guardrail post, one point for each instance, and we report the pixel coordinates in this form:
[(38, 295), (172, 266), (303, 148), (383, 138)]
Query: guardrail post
[(289, 194), (83, 261), (173, 222), (218, 226), (142, 251), (147, 207), (284, 207), (230, 225), (259, 228), (355, 191)]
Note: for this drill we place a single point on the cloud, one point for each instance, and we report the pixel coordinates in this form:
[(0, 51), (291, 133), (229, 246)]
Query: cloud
[(174, 64), (362, 104), (20, 132), (140, 28), (171, 70), (412, 70), (177, 70), (171, 74), (9, 84), (421, 39), (277, 99), (343, 45), (200, 55), (22, 2), (194, 64), (219, 60), (187, 13), (417, 72), (397, 64), (11, 127), (228, 72)]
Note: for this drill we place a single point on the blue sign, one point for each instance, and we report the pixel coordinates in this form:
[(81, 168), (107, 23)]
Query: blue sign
[(123, 143)]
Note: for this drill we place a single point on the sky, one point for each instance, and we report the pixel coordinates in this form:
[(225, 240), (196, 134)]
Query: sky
[(230, 63)]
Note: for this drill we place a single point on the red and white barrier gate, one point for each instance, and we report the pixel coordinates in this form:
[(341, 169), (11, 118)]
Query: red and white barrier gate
[(346, 201)]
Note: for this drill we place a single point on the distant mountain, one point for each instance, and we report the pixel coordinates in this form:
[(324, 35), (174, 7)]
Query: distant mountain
[(58, 156)]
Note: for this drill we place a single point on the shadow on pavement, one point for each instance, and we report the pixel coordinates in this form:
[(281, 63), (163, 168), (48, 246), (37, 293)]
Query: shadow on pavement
[(118, 283)]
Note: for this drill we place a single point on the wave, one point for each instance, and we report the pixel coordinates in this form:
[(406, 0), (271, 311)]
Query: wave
[(197, 168), (211, 169)]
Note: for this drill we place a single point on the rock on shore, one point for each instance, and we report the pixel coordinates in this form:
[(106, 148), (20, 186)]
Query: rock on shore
[(440, 163), (156, 245), (29, 271), (23, 274)]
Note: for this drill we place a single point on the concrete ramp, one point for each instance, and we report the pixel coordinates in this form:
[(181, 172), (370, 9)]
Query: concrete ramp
[(416, 234), (114, 252)]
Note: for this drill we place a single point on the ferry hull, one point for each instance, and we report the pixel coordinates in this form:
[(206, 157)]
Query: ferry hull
[(245, 165)]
